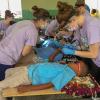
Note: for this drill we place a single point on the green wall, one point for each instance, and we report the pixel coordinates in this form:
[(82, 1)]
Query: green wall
[(47, 4)]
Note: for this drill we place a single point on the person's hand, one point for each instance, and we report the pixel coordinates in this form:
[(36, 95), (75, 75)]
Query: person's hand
[(51, 59), (55, 55), (22, 89), (68, 51), (70, 46), (57, 44), (62, 42)]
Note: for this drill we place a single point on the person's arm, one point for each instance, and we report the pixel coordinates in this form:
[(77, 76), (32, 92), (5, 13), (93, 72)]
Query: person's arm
[(26, 50), (92, 53), (93, 42), (57, 51), (31, 37), (51, 28), (27, 88)]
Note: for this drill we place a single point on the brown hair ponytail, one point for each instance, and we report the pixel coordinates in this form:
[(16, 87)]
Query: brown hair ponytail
[(40, 12), (8, 14)]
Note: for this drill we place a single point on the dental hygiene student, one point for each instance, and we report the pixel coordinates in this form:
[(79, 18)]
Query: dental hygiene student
[(82, 8), (4, 24), (19, 43), (50, 45), (89, 26)]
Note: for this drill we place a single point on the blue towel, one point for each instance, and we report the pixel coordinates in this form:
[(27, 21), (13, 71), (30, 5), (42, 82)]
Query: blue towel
[(52, 43), (57, 74), (46, 52)]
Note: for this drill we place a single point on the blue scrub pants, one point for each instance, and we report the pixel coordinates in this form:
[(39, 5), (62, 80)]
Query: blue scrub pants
[(3, 68)]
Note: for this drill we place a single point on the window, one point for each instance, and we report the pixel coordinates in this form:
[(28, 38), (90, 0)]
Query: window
[(93, 4), (13, 5)]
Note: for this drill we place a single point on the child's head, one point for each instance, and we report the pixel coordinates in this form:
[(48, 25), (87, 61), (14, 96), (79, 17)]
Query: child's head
[(80, 67), (94, 12)]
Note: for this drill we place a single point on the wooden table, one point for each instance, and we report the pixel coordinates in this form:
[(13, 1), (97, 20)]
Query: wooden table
[(12, 92)]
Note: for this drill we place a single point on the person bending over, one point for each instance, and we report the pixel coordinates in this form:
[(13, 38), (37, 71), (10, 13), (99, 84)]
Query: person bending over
[(20, 43)]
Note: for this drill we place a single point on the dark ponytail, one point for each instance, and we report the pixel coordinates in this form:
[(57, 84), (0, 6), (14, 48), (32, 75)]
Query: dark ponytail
[(65, 12), (40, 13), (8, 14)]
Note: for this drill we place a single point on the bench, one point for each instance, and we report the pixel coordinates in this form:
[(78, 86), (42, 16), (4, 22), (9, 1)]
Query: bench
[(12, 92)]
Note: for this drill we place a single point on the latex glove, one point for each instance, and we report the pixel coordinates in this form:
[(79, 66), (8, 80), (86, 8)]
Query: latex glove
[(70, 46), (57, 44), (68, 51)]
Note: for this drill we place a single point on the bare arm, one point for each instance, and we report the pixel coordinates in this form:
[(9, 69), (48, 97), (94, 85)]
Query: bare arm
[(57, 51), (27, 88), (26, 50), (92, 53)]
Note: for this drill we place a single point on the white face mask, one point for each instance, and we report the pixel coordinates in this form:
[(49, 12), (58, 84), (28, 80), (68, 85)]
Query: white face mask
[(74, 28), (44, 26)]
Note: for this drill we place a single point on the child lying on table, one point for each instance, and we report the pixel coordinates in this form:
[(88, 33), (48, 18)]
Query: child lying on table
[(41, 76)]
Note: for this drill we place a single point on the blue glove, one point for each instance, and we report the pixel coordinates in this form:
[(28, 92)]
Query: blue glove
[(68, 51), (70, 46), (57, 44)]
